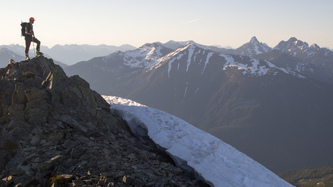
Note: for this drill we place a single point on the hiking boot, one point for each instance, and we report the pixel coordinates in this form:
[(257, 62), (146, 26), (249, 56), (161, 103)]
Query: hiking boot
[(39, 53), (27, 57)]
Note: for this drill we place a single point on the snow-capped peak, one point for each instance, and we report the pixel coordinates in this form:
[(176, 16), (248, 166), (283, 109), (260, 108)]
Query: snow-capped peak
[(144, 57), (300, 49), (252, 48), (193, 55), (177, 52), (175, 45), (147, 51), (254, 40), (315, 46), (291, 45)]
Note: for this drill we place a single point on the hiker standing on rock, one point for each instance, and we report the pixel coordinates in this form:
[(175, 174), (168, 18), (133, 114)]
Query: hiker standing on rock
[(30, 37)]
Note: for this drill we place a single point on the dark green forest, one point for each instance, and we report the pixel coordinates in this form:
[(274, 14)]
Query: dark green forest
[(309, 177)]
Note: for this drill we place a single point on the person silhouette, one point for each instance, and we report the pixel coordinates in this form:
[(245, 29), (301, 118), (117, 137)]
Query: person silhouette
[(30, 37)]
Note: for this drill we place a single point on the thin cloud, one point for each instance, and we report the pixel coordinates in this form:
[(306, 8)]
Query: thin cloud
[(193, 21)]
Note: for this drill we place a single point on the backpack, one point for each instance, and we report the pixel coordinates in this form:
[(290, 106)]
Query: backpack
[(23, 26)]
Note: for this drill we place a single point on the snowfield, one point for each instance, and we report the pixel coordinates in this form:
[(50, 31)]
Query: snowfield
[(194, 150)]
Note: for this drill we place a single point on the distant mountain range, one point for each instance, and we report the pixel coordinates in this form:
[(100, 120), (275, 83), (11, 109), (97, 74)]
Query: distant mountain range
[(71, 54), (274, 104), (6, 54)]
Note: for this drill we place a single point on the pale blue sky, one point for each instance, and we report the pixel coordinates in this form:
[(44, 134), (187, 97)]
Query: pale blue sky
[(136, 22)]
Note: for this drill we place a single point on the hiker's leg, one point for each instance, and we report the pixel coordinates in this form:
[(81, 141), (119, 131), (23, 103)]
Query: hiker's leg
[(37, 42), (27, 44)]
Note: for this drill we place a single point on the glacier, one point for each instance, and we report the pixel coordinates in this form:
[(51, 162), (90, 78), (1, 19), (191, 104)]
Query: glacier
[(209, 158)]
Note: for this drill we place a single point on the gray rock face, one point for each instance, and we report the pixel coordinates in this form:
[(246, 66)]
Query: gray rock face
[(56, 131)]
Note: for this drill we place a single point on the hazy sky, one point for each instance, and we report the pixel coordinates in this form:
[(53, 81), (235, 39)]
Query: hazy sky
[(136, 22)]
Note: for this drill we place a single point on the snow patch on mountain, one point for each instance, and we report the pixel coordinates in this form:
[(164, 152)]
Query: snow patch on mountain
[(146, 56), (150, 57), (211, 159), (252, 67), (255, 67), (185, 89), (207, 60), (170, 62), (167, 57), (172, 55), (191, 49)]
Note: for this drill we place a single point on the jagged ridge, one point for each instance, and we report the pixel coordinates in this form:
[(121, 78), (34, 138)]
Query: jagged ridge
[(54, 128)]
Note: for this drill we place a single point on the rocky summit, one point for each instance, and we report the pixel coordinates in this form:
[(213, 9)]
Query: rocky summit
[(56, 131)]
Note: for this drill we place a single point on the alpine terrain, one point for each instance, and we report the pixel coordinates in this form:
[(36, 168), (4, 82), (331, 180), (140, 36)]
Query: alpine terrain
[(274, 104), (56, 131), (312, 61)]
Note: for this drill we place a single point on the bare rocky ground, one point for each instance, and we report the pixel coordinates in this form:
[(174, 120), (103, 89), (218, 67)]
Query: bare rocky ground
[(56, 131)]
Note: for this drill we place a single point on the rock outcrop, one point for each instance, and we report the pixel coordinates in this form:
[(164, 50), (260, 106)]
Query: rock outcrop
[(54, 130)]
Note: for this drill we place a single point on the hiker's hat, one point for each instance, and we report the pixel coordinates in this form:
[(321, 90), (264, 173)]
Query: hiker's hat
[(31, 19)]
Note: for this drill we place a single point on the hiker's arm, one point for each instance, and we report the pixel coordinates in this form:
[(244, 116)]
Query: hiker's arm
[(29, 33), (29, 29)]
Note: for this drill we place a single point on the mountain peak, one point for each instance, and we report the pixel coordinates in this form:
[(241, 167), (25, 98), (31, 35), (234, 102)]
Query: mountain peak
[(254, 40), (145, 56), (175, 45), (155, 44), (192, 44), (296, 42), (301, 43), (252, 48), (293, 39), (315, 46), (293, 46)]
